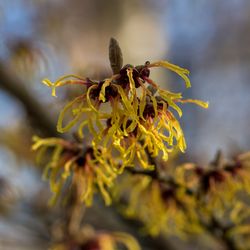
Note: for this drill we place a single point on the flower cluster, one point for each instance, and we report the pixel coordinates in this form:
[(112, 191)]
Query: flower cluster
[(127, 114), (72, 165), (191, 199), (129, 120), (162, 206), (219, 182)]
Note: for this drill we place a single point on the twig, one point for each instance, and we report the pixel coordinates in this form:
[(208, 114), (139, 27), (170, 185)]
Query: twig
[(219, 232), (36, 113)]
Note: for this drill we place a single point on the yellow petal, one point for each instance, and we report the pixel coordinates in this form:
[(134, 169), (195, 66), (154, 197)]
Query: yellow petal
[(175, 68), (198, 102), (102, 92), (68, 106)]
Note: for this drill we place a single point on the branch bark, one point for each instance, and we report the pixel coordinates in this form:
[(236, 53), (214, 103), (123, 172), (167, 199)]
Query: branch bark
[(39, 117)]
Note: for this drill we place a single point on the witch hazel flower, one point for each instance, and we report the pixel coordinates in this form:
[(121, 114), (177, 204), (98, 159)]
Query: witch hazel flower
[(129, 119)]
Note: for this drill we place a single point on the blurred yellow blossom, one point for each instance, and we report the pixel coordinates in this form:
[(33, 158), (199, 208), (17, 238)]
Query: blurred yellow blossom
[(161, 206), (99, 241), (71, 162)]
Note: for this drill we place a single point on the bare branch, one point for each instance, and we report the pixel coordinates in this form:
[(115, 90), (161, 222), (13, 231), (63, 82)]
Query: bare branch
[(37, 114)]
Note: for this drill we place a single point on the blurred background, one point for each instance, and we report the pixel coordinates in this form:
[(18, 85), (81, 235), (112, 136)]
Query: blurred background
[(48, 38)]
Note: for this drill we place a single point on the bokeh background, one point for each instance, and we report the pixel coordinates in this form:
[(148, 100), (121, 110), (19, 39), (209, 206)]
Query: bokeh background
[(47, 38)]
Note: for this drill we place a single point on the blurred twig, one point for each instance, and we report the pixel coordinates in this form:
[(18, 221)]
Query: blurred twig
[(37, 114)]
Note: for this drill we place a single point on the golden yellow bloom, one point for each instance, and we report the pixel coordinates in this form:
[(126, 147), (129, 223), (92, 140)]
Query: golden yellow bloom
[(125, 117), (161, 207), (69, 162), (188, 198), (218, 188)]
